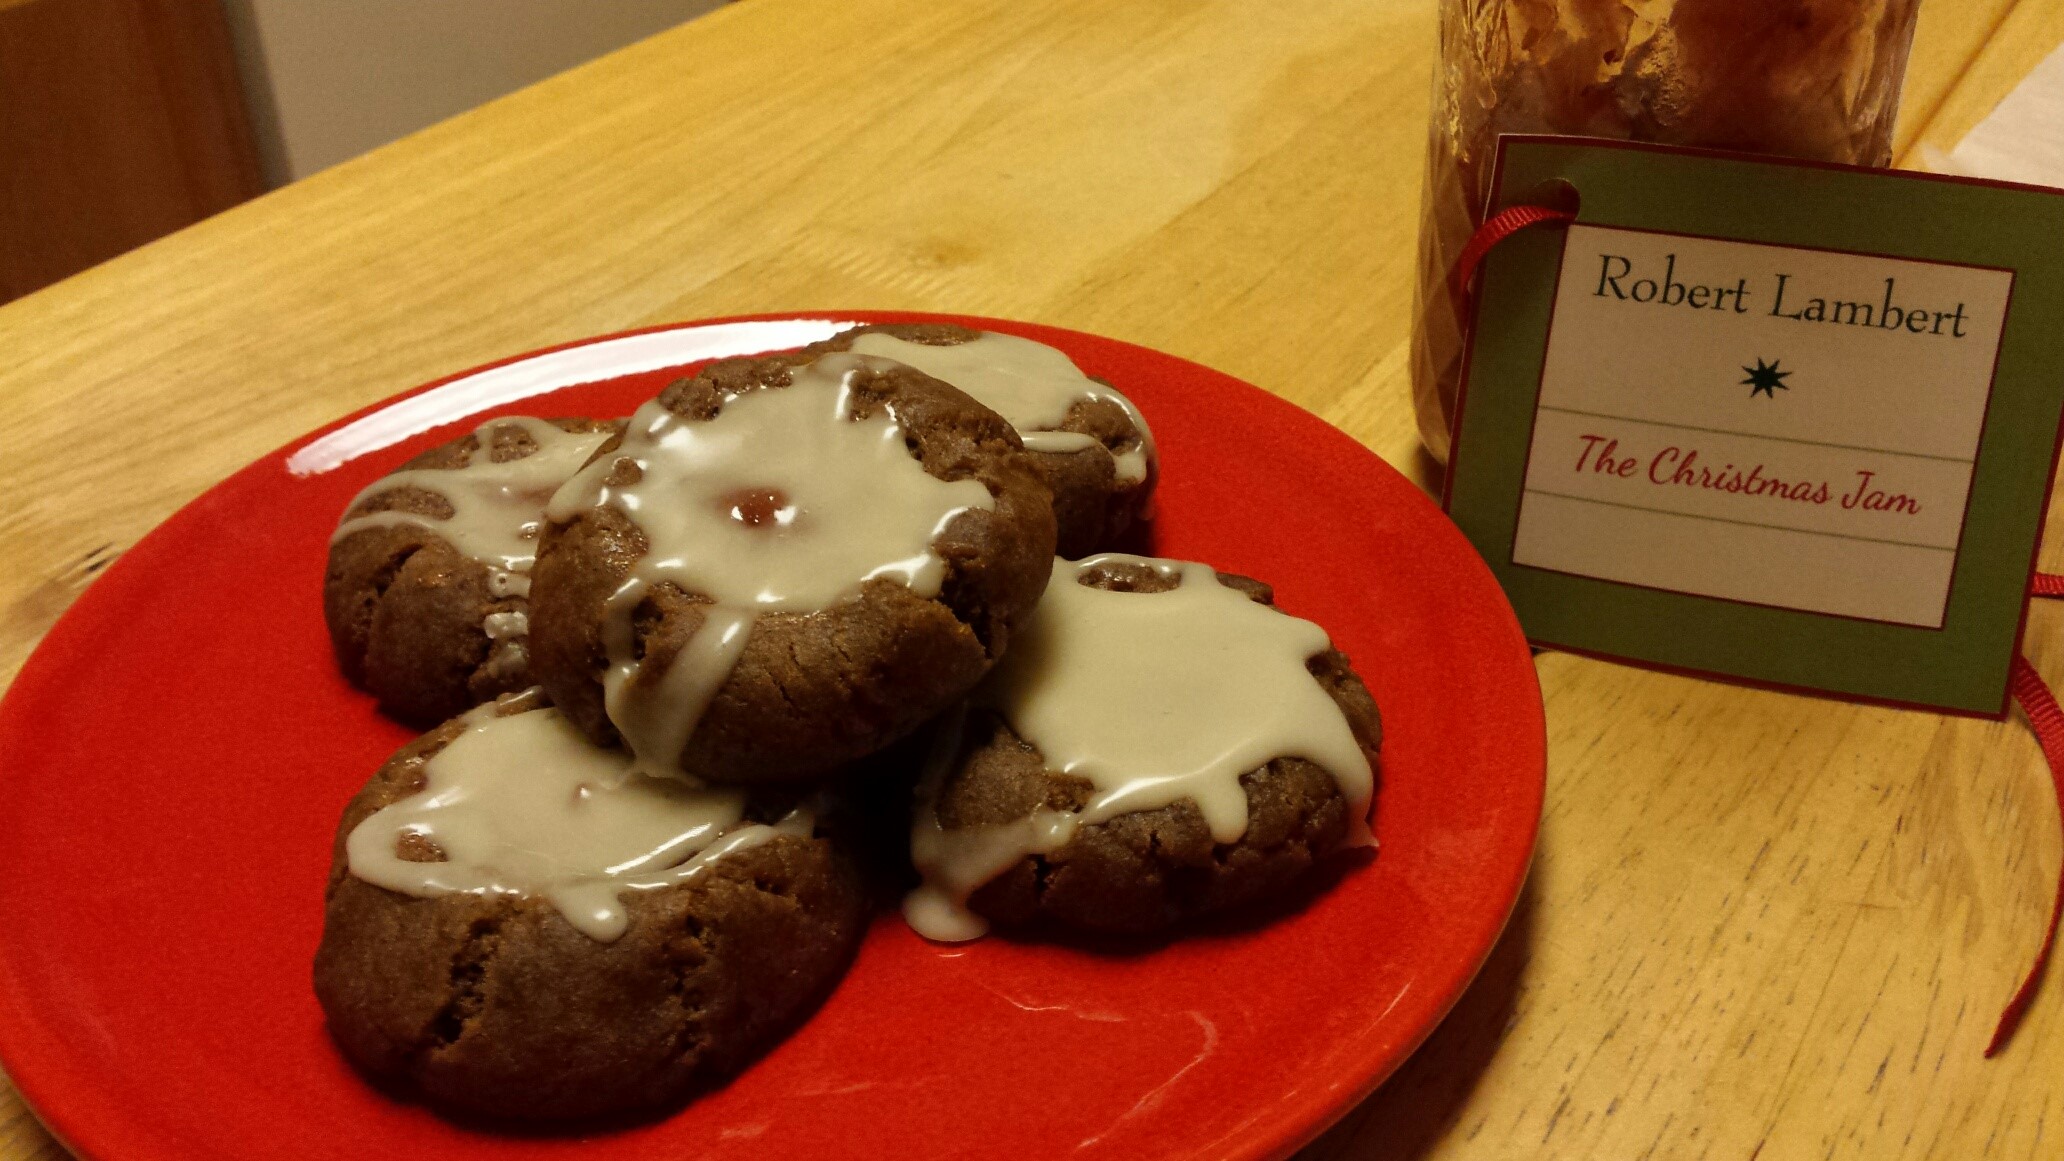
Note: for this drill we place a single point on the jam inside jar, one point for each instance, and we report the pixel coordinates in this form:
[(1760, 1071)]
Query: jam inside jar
[(1816, 79)]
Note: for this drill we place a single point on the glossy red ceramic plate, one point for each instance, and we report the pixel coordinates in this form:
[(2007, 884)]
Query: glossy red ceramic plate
[(177, 752)]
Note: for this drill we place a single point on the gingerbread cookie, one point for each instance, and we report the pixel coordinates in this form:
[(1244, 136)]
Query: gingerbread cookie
[(787, 564), (520, 926), (425, 593), (1085, 438), (1160, 743)]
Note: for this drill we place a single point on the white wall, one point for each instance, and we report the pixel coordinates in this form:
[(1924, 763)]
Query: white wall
[(327, 80)]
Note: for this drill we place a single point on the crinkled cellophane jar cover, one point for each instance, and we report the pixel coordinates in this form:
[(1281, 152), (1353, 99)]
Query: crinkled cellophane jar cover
[(1816, 79)]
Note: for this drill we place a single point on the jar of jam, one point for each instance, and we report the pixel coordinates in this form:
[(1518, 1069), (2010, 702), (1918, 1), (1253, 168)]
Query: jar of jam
[(1816, 79)]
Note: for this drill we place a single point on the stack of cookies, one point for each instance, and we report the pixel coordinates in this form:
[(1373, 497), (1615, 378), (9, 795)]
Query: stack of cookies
[(655, 654)]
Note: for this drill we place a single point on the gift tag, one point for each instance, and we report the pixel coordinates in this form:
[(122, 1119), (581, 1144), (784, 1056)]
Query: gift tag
[(1772, 421)]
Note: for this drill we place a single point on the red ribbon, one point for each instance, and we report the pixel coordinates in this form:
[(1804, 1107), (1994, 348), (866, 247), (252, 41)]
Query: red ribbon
[(2048, 723), (1502, 225), (2044, 716)]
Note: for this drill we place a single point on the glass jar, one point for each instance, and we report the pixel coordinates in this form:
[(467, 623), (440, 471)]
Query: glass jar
[(1816, 79)]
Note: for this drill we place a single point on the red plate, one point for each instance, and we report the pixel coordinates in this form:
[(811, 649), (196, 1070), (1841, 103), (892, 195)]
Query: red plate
[(178, 750)]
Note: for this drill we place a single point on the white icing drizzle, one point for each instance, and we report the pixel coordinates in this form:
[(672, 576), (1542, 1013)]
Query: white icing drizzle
[(781, 503), (954, 863), (523, 805), (497, 508), (1151, 697), (1030, 384)]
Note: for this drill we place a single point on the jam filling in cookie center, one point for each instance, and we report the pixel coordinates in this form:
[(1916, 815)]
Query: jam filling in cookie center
[(1151, 697), (524, 805), (1030, 384), (497, 509), (768, 508), (783, 502)]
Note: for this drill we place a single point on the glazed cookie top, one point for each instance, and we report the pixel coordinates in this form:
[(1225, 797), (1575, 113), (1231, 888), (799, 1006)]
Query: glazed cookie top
[(1152, 695), (519, 803), (762, 498), (1032, 385), (490, 507)]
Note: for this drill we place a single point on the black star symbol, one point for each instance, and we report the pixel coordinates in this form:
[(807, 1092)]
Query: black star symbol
[(1765, 379)]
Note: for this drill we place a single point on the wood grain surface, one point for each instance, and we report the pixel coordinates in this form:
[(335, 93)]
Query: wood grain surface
[(1759, 925)]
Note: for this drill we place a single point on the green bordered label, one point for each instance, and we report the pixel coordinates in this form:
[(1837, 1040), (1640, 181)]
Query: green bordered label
[(1779, 422)]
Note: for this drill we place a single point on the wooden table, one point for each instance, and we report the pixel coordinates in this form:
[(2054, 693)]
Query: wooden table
[(1759, 925)]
